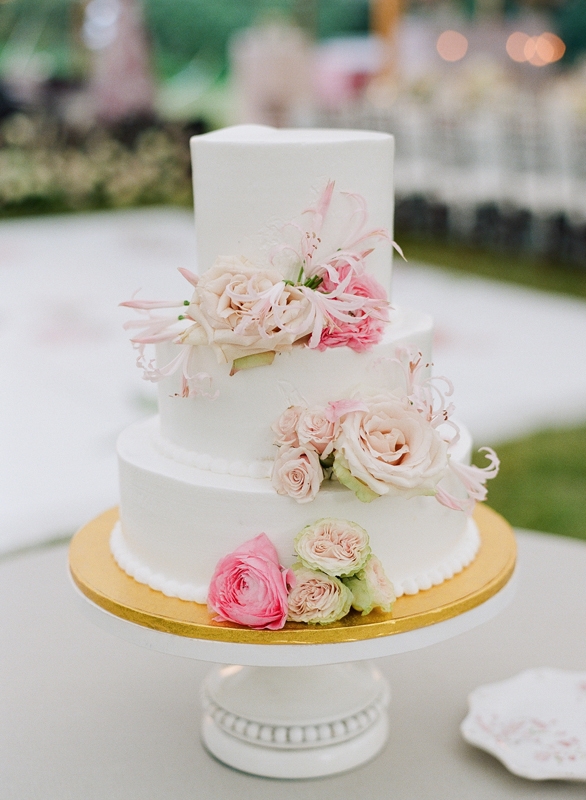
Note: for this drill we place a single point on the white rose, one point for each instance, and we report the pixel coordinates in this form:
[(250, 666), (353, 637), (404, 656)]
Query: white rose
[(391, 448), (297, 473), (335, 546), (317, 597)]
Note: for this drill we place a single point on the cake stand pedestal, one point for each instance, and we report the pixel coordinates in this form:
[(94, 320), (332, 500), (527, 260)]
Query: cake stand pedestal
[(302, 702)]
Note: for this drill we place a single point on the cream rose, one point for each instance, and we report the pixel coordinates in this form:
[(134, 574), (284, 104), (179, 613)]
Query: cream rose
[(316, 430), (285, 428), (371, 588), (317, 597), (391, 448), (241, 311), (297, 473), (335, 546)]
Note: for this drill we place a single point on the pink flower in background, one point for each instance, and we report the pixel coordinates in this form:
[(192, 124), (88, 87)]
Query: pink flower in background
[(249, 586), (297, 473)]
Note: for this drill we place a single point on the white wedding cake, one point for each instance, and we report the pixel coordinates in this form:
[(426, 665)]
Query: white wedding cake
[(295, 399)]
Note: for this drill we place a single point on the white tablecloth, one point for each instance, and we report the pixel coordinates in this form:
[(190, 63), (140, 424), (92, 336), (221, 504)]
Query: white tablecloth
[(86, 716)]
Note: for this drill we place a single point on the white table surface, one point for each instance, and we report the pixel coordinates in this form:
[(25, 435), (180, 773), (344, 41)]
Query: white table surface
[(86, 716)]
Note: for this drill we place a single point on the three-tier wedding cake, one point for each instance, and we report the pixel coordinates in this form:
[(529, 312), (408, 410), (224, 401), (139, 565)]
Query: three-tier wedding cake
[(304, 460)]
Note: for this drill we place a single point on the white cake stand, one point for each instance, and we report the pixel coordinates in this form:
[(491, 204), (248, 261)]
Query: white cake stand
[(302, 702)]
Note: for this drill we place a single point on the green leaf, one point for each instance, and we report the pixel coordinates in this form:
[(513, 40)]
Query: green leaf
[(363, 492), (256, 360)]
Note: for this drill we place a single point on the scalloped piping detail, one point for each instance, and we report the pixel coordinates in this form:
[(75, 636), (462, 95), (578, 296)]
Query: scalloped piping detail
[(463, 555), (221, 466), (132, 566)]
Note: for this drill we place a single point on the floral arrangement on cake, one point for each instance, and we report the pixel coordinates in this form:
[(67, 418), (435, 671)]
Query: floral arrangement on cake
[(383, 443), (248, 314), (335, 572)]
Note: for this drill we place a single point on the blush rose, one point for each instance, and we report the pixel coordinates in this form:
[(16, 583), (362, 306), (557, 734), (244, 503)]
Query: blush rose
[(285, 428), (317, 597), (392, 448), (297, 473), (316, 430)]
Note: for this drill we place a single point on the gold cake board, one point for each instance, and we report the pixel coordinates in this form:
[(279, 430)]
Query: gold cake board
[(99, 578)]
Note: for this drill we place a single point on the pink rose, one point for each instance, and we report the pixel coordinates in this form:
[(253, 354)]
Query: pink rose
[(369, 325), (249, 586), (317, 597), (297, 473), (316, 430), (285, 428)]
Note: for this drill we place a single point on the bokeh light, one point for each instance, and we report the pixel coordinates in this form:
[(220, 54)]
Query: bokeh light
[(516, 46), (537, 50), (452, 46)]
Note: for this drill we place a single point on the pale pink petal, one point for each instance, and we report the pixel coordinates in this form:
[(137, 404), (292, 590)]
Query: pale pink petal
[(337, 409), (189, 276)]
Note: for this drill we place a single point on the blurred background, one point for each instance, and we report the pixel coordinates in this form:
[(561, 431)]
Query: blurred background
[(487, 102)]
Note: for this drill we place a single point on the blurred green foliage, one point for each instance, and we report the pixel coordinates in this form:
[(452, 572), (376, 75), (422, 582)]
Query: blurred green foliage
[(43, 170), (181, 30), (187, 29), (570, 22), (541, 484)]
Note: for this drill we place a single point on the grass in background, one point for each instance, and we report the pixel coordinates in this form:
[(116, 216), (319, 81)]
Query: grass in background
[(542, 482), (530, 271)]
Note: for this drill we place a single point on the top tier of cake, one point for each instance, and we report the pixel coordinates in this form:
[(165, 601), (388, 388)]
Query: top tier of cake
[(251, 180), (253, 186)]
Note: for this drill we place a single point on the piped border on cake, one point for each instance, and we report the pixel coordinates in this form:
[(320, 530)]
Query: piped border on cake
[(221, 466), (462, 556)]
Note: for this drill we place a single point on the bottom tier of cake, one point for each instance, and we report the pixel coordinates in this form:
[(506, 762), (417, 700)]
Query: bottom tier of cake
[(178, 521)]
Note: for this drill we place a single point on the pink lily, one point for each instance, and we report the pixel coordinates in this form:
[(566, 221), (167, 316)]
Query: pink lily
[(337, 409), (473, 479)]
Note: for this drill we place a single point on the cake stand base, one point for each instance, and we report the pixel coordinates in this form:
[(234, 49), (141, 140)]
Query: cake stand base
[(304, 701), (295, 722)]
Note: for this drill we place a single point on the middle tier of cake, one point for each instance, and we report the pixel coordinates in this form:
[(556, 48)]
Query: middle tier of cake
[(228, 423), (177, 521)]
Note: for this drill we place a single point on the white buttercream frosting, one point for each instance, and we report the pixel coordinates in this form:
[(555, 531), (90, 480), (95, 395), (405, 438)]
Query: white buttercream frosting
[(249, 181), (222, 466), (141, 573), (462, 555), (235, 426)]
